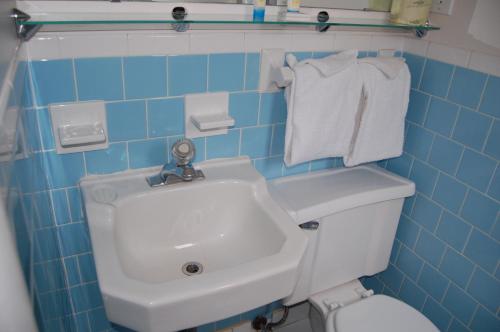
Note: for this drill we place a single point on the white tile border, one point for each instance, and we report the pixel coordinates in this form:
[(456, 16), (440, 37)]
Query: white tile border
[(202, 42), (59, 45), (416, 46), (43, 46), (157, 43), (85, 45), (444, 53), (485, 63), (347, 40)]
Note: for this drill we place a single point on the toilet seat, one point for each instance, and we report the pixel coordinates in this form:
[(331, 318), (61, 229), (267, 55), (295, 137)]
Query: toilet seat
[(380, 313)]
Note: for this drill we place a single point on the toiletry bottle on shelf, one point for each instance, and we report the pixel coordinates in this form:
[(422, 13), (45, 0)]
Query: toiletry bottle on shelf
[(259, 10), (415, 12), (293, 6)]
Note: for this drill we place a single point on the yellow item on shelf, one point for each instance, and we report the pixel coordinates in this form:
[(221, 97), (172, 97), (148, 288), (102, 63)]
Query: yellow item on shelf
[(380, 5), (415, 12), (293, 6)]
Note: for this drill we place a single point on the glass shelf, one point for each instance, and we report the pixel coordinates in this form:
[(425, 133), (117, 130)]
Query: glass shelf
[(87, 18)]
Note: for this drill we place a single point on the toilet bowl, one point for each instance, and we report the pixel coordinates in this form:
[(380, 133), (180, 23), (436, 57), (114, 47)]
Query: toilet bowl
[(350, 217)]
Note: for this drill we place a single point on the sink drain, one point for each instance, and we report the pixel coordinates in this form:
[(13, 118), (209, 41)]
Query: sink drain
[(192, 268)]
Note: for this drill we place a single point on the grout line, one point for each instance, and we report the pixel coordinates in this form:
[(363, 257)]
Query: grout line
[(483, 92), (455, 122), (69, 205), (245, 72), (167, 83), (490, 184), (208, 73), (271, 141), (259, 108), (146, 116), (421, 76), (75, 81), (487, 137), (459, 163), (122, 62), (472, 316), (452, 78), (240, 140), (205, 142), (128, 155)]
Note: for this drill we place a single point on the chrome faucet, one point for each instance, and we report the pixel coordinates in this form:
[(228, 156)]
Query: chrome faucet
[(183, 152)]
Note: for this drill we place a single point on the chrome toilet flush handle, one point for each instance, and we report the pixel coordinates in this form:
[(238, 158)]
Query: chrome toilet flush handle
[(310, 225)]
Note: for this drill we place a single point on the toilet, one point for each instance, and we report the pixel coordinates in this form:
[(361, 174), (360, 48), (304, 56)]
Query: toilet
[(350, 216)]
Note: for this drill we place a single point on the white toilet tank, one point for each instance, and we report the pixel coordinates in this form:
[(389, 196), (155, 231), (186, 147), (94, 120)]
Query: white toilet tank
[(357, 209)]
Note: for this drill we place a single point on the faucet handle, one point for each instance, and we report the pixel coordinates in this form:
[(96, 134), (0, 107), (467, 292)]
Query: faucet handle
[(183, 152)]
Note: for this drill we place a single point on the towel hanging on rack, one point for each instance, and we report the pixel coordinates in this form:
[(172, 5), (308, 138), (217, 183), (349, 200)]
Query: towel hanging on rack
[(321, 108), (379, 131)]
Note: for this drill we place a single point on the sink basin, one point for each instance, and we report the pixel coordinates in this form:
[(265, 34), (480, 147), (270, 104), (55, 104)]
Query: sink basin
[(178, 256)]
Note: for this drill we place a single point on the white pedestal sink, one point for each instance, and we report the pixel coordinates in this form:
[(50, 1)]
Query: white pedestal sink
[(238, 248)]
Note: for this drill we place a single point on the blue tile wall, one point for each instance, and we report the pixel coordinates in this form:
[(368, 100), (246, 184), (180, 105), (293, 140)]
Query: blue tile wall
[(453, 224), (137, 70), (445, 257), (99, 79)]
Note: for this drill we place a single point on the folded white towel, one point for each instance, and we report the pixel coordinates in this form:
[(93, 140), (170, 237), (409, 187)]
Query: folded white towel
[(380, 131), (333, 64), (389, 66), (322, 109)]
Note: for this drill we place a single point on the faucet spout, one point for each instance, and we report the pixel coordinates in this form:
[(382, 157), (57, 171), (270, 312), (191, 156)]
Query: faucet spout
[(183, 151)]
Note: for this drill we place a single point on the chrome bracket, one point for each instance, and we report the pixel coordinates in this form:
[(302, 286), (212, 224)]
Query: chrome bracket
[(419, 33), (179, 14), (322, 18), (310, 225), (23, 31)]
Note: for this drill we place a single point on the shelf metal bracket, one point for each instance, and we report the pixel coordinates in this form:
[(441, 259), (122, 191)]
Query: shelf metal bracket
[(23, 31), (421, 33), (179, 14), (322, 18)]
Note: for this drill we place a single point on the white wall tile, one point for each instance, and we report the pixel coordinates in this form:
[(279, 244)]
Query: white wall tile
[(317, 41), (416, 46), (348, 41), (485, 63), (217, 42), (43, 47), (381, 42), (255, 41), (456, 56), (95, 44), (154, 43), (58, 45)]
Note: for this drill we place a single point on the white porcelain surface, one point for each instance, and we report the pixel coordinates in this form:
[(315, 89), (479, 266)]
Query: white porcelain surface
[(71, 123), (381, 313), (207, 114), (141, 236), (357, 223)]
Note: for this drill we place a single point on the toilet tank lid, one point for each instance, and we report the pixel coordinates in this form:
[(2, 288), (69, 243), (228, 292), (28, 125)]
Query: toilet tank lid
[(315, 195)]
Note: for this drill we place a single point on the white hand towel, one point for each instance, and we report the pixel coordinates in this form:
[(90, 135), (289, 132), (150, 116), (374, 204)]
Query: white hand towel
[(333, 64), (321, 110), (380, 131), (389, 66)]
